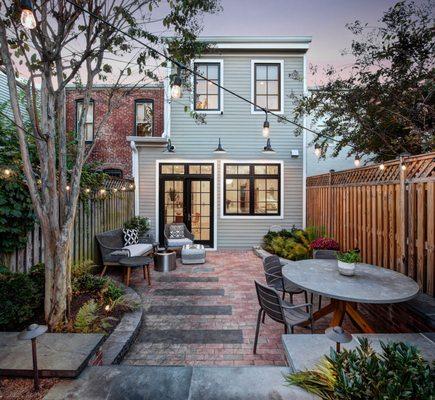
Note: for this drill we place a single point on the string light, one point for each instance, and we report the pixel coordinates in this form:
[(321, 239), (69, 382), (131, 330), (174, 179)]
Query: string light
[(87, 190), (107, 307), (27, 17), (357, 161), (123, 188), (403, 166), (176, 86), (266, 128), (7, 172), (131, 186), (382, 166), (102, 191), (67, 188), (317, 151), (115, 190)]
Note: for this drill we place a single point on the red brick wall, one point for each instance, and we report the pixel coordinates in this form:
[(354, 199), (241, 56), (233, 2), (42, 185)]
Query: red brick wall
[(111, 148)]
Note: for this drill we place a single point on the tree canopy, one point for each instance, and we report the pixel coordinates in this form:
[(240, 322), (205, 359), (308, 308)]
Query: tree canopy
[(385, 106)]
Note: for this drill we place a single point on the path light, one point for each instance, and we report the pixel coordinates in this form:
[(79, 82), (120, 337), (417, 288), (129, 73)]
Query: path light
[(338, 335), (268, 148), (27, 17), (317, 151), (31, 333), (266, 128), (176, 86), (220, 149), (357, 161)]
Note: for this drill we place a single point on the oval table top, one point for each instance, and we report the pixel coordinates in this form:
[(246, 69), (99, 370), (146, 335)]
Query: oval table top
[(370, 284)]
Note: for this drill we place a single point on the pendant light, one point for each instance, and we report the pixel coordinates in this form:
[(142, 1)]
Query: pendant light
[(170, 148), (27, 17), (176, 86), (266, 128), (220, 149), (268, 148), (317, 151)]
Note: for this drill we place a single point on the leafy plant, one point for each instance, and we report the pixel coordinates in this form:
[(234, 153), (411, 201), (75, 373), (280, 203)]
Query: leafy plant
[(124, 303), (324, 243), (82, 268), (142, 224), (105, 287), (292, 244), (399, 372), (89, 320), (352, 256)]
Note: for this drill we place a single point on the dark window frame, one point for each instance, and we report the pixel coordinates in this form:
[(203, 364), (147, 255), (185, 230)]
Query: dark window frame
[(91, 101), (251, 176), (143, 101), (114, 172), (195, 80), (268, 64)]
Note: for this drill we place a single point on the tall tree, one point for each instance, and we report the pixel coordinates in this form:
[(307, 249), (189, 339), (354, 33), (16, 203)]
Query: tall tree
[(67, 46), (385, 106)]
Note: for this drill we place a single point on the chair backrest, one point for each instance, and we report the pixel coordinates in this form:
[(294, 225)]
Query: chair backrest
[(272, 265), (325, 254), (175, 231), (270, 302), (112, 239)]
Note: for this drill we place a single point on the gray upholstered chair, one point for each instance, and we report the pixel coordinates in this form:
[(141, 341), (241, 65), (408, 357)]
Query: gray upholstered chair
[(274, 278), (112, 249), (177, 235), (288, 314), (325, 255)]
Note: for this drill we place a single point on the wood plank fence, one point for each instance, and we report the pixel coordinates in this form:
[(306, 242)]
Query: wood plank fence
[(97, 214), (387, 211)]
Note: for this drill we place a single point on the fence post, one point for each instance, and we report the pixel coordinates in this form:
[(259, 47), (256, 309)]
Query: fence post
[(402, 220), (329, 229)]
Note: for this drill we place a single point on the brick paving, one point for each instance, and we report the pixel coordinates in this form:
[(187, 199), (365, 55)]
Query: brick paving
[(230, 282)]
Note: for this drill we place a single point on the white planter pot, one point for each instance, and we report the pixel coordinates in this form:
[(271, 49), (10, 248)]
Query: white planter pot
[(347, 269)]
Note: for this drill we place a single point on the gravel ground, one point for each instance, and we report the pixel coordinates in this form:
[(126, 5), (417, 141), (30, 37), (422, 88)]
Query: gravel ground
[(22, 389)]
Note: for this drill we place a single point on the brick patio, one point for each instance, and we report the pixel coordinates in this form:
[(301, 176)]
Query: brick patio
[(175, 333)]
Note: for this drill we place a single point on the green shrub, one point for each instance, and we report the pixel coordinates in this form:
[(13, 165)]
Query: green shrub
[(105, 286), (83, 268), (398, 373), (21, 296), (293, 244), (89, 320), (142, 224)]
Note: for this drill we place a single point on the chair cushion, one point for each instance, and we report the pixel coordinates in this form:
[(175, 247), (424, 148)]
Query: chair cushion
[(138, 249), (176, 231), (130, 236), (179, 242)]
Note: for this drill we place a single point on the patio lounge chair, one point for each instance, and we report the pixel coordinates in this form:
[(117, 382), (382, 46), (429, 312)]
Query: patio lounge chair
[(112, 249), (288, 314), (274, 278), (176, 236), (325, 255)]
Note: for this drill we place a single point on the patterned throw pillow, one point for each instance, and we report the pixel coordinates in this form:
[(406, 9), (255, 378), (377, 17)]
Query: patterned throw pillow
[(130, 236), (176, 231)]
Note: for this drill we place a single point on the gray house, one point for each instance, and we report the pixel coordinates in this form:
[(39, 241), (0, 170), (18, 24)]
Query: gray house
[(228, 199)]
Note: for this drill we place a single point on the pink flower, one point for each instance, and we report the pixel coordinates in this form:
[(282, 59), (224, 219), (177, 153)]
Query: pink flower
[(324, 244)]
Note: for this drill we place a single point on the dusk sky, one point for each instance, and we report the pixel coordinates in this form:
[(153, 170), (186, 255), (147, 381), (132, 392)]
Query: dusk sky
[(324, 20)]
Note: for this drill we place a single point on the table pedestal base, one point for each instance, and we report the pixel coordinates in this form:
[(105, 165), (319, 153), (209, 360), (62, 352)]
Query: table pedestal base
[(339, 309)]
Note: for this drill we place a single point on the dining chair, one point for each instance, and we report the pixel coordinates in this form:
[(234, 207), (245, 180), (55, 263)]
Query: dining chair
[(288, 314), (323, 255)]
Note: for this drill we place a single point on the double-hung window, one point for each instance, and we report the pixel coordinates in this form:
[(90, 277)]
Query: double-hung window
[(252, 189), (267, 86), (89, 119), (144, 117), (207, 96)]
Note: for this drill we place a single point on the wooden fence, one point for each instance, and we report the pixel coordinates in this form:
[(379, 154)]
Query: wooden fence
[(387, 211), (101, 213)]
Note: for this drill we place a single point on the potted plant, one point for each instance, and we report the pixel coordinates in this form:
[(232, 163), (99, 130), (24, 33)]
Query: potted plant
[(141, 224), (325, 245), (347, 262)]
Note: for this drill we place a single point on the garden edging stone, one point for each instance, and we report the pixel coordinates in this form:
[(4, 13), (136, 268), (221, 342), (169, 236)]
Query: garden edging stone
[(260, 252)]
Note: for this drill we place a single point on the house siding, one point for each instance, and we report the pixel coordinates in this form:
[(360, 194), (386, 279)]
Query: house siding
[(241, 134)]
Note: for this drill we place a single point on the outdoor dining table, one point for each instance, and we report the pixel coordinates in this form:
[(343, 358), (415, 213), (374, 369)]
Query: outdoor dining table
[(370, 284)]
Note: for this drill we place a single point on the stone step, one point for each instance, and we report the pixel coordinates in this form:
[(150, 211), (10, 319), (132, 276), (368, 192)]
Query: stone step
[(175, 278), (178, 383), (189, 310), (189, 292), (190, 336)]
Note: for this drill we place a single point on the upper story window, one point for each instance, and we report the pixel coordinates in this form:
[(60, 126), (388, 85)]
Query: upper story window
[(252, 189), (207, 96), (114, 172), (144, 118), (267, 85), (89, 119)]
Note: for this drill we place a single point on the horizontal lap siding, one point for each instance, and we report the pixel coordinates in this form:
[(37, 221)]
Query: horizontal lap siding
[(241, 136)]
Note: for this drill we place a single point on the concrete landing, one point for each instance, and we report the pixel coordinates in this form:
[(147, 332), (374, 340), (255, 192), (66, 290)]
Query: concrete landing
[(179, 383), (299, 358), (62, 355)]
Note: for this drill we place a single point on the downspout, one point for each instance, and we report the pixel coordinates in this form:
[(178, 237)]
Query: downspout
[(304, 154), (135, 170)]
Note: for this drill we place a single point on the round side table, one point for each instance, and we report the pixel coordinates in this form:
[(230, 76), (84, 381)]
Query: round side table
[(136, 262)]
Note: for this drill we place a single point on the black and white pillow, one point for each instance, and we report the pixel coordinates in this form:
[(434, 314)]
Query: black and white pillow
[(131, 236), (176, 231)]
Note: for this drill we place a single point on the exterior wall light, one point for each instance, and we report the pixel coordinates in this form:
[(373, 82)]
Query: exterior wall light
[(268, 148), (27, 17), (220, 149), (170, 148)]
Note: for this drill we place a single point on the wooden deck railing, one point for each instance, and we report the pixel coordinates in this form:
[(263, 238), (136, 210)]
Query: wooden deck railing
[(389, 214), (99, 214)]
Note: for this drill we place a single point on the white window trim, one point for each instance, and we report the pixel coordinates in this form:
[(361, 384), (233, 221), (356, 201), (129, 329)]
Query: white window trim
[(219, 61), (268, 61), (190, 161), (253, 217)]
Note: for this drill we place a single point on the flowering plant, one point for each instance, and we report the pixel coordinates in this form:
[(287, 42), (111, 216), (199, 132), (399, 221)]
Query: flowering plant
[(324, 244)]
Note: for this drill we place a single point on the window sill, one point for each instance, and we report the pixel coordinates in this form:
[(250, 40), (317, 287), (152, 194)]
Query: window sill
[(253, 217)]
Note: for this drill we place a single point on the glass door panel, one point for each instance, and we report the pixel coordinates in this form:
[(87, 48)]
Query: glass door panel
[(200, 210), (173, 201)]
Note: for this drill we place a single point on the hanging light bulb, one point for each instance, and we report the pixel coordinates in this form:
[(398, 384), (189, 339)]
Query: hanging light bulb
[(27, 17), (87, 190), (220, 149), (268, 148), (67, 188), (382, 166), (403, 166), (115, 190), (176, 86), (357, 161), (103, 191), (266, 128), (317, 151)]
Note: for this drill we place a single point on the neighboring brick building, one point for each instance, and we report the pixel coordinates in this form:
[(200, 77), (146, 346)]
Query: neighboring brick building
[(135, 112)]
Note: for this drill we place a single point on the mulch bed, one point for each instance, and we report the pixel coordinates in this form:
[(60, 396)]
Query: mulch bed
[(22, 389)]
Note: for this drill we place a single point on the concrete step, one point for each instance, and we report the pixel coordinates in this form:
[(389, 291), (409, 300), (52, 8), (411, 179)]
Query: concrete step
[(178, 383)]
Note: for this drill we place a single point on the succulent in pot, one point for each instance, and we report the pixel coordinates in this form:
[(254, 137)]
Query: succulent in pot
[(347, 262)]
